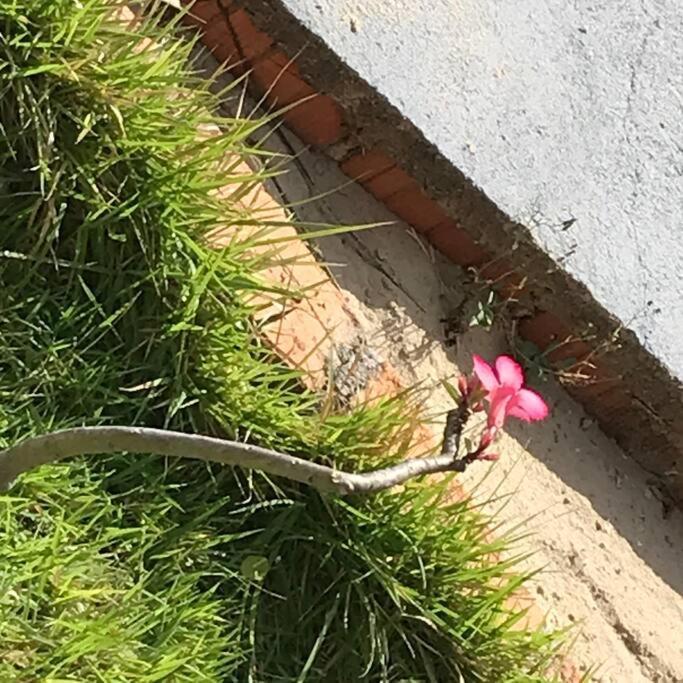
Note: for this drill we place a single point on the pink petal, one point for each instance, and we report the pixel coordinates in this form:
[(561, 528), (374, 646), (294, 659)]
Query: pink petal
[(509, 372), (516, 411), (498, 410), (530, 403), (487, 437), (485, 373)]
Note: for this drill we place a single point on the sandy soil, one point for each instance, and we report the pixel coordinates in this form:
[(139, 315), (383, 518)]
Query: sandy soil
[(611, 562)]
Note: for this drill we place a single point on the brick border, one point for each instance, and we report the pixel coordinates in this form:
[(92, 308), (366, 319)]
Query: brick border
[(629, 392)]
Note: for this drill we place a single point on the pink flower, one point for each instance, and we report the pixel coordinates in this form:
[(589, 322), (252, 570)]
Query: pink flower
[(505, 392), (487, 438)]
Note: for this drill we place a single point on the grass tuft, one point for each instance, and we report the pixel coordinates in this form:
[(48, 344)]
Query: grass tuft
[(114, 309)]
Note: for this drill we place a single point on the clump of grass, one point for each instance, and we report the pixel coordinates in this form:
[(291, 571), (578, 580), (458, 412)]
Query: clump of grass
[(115, 309)]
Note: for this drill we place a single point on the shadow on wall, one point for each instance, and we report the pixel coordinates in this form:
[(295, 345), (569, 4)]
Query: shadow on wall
[(386, 268)]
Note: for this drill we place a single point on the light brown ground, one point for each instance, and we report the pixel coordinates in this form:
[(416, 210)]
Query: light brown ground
[(611, 563)]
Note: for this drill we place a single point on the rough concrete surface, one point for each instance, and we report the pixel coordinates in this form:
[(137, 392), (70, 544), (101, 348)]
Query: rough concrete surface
[(557, 111), (611, 561)]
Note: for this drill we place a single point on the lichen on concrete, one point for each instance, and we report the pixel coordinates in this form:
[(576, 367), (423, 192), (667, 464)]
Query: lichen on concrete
[(351, 367)]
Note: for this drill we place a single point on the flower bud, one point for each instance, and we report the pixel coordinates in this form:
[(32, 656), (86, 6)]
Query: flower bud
[(487, 438)]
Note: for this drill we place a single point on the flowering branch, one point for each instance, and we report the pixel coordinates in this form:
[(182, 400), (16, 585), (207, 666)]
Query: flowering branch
[(67, 443), (56, 446)]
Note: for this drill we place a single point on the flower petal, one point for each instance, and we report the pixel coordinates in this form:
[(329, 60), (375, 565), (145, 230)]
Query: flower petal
[(509, 372), (498, 410), (516, 411), (531, 403), (485, 373)]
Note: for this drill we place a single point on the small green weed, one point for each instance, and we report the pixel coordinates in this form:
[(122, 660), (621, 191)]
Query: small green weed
[(536, 362), (485, 311)]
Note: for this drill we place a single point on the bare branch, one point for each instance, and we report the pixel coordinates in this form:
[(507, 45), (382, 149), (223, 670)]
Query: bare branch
[(101, 440), (455, 422), (48, 448)]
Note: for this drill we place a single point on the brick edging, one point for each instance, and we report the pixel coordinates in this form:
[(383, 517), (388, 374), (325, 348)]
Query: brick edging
[(629, 392)]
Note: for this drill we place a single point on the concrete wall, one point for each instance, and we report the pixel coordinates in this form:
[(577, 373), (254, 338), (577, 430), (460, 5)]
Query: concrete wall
[(557, 111)]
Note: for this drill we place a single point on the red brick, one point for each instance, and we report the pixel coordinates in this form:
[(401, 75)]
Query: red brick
[(452, 241), (200, 12), (215, 32), (546, 330), (251, 42), (217, 37), (608, 398), (363, 167), (387, 183), (317, 121), (416, 208), (277, 76), (503, 277), (600, 392)]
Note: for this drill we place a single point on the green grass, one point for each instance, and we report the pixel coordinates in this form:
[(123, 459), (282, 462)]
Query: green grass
[(114, 310)]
